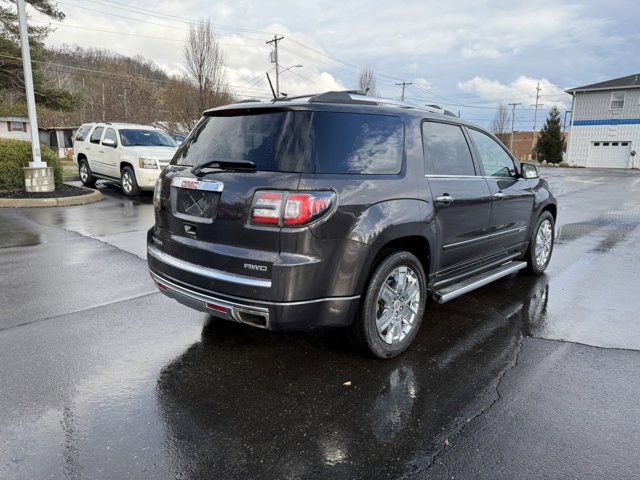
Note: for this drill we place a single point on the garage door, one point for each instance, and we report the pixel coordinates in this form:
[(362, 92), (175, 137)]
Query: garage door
[(609, 155)]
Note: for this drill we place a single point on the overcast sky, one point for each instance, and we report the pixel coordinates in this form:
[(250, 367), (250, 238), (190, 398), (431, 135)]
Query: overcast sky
[(463, 55)]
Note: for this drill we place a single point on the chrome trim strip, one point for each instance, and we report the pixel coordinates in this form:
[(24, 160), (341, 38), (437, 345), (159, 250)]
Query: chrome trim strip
[(199, 302), (485, 237), (428, 175), (163, 280), (300, 302), (206, 271), (193, 184), (445, 297)]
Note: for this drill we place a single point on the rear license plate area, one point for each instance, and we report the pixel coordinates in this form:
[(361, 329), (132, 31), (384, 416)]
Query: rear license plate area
[(197, 203), (195, 200)]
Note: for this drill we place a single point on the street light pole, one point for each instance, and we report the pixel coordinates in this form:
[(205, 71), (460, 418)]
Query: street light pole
[(28, 83)]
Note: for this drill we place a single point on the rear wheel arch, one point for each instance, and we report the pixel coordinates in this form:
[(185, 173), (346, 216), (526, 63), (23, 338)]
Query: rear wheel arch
[(418, 245)]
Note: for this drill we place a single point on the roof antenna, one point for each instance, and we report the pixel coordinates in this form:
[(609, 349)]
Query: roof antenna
[(271, 85)]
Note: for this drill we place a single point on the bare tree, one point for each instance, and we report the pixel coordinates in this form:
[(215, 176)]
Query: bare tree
[(205, 64), (500, 122), (367, 82)]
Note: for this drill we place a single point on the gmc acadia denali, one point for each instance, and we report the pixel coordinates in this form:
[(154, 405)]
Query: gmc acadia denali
[(340, 209)]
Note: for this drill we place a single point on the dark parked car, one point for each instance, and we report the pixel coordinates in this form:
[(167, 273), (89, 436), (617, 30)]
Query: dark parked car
[(342, 210)]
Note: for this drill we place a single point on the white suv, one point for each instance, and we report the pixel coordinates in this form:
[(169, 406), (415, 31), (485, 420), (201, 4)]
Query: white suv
[(133, 155)]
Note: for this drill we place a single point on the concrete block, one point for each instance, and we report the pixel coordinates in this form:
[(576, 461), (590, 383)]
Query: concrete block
[(38, 179)]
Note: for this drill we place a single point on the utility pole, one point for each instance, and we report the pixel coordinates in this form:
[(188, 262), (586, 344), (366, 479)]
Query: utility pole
[(275, 41), (535, 118), (103, 103), (403, 84), (513, 119), (38, 177), (28, 83)]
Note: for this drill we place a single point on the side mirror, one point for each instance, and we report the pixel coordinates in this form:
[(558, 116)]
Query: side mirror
[(529, 171), (108, 142)]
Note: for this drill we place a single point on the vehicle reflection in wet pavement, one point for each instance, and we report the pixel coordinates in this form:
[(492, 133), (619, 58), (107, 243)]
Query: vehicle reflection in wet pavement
[(238, 396)]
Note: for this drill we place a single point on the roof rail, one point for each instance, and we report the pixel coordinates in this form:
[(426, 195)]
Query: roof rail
[(250, 100), (358, 97)]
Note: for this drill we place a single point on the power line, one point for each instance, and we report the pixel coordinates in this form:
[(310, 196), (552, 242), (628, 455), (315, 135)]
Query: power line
[(104, 72), (132, 34)]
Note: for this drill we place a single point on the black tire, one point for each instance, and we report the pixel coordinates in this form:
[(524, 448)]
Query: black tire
[(365, 331), (85, 173), (534, 264), (129, 183)]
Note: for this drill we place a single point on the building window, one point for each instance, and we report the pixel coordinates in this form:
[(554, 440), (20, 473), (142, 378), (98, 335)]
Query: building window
[(625, 144), (605, 144), (617, 100), (17, 126), (596, 144)]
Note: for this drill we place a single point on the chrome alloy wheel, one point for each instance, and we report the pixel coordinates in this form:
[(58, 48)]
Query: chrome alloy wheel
[(127, 181), (544, 242), (398, 304), (84, 172)]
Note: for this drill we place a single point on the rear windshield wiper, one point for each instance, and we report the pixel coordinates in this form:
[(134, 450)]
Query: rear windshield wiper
[(224, 164)]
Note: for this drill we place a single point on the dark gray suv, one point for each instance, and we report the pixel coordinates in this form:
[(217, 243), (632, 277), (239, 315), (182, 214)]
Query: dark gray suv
[(340, 209)]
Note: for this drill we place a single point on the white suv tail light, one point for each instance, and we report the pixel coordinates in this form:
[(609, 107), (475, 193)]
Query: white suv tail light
[(290, 209)]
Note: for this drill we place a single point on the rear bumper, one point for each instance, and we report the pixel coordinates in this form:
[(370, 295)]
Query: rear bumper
[(322, 312)]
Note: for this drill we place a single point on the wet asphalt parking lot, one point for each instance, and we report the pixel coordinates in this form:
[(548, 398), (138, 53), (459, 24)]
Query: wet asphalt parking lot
[(101, 377)]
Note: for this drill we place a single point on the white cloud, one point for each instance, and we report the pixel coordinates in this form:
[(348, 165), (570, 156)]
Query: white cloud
[(522, 90)]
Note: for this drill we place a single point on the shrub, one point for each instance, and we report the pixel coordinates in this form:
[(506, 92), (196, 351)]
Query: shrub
[(16, 154)]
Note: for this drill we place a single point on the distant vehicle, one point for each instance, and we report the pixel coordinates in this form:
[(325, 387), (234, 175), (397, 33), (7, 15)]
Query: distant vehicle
[(133, 155), (341, 209), (178, 137)]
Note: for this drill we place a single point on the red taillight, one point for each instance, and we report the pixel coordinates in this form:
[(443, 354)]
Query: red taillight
[(290, 208)]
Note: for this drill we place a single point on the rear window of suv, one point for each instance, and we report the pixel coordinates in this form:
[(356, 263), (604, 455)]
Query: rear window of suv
[(298, 141), (274, 140)]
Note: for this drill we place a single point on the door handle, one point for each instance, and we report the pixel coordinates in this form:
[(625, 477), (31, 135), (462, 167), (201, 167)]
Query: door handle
[(445, 200), (499, 196), (101, 151)]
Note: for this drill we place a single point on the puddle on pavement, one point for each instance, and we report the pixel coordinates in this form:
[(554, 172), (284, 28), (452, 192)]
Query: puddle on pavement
[(615, 225)]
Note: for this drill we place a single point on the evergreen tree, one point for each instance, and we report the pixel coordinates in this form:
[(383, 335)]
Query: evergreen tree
[(11, 74), (550, 142)]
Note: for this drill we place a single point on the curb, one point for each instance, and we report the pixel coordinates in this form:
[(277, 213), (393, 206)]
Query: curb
[(94, 196)]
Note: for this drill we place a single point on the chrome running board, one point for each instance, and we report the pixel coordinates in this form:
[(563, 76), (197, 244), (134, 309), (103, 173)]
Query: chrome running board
[(455, 290)]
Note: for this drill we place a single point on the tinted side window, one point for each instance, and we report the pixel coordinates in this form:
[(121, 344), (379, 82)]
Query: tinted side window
[(447, 147), (111, 135), (496, 162), (355, 143), (95, 136), (82, 133)]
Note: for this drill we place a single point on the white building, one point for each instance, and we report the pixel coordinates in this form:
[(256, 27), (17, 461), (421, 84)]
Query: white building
[(605, 124), (15, 128)]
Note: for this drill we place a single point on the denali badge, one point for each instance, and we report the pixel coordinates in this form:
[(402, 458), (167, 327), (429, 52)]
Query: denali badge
[(259, 268)]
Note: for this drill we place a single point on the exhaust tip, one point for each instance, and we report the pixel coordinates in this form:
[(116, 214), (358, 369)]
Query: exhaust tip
[(260, 320)]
